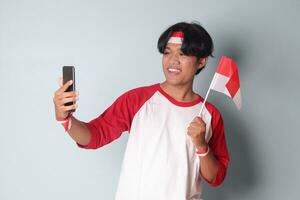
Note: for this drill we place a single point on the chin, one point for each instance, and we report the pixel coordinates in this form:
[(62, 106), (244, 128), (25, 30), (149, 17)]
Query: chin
[(172, 82)]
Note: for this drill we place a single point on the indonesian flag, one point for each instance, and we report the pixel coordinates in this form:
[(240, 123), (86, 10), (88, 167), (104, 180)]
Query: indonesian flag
[(226, 80)]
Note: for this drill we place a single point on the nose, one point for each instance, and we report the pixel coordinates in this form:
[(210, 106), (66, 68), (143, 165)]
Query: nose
[(174, 58)]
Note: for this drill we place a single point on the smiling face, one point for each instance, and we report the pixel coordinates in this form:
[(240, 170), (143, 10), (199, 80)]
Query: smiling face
[(179, 69)]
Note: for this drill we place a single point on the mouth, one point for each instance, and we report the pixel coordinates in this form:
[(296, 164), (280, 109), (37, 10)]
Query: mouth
[(174, 70)]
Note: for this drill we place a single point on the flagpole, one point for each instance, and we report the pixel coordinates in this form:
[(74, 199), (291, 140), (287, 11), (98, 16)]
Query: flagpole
[(212, 84)]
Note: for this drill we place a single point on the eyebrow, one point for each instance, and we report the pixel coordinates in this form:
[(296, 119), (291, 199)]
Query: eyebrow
[(169, 49)]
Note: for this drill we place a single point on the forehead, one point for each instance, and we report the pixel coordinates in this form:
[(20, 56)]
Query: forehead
[(173, 47)]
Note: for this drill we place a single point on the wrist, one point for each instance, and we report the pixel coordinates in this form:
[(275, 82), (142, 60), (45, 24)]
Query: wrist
[(202, 147), (66, 122), (202, 151), (63, 119)]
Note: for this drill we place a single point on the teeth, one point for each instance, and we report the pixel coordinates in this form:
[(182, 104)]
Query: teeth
[(173, 70)]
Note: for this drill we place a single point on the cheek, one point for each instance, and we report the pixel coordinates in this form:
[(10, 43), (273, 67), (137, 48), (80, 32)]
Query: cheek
[(188, 66), (164, 62)]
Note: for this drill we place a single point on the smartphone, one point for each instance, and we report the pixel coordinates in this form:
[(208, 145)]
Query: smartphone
[(69, 74)]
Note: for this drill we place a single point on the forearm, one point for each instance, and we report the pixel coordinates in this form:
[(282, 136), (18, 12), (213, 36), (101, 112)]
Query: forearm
[(79, 132), (209, 166)]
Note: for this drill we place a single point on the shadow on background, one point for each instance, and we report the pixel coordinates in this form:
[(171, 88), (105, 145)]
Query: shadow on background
[(243, 172)]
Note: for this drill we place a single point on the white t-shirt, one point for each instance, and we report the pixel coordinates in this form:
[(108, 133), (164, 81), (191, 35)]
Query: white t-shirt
[(160, 161)]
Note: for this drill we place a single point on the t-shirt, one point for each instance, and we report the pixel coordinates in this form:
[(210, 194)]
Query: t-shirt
[(160, 162)]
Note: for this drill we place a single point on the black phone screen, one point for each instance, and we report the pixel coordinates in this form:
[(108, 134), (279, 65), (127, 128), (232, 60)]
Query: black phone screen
[(69, 74)]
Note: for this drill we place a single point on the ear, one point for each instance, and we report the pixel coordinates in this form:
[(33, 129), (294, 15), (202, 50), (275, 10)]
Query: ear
[(202, 62)]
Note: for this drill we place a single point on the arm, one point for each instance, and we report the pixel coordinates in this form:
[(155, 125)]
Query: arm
[(209, 166), (213, 165), (100, 131), (79, 132)]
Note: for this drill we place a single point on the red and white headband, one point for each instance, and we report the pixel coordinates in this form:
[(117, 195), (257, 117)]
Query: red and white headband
[(176, 37)]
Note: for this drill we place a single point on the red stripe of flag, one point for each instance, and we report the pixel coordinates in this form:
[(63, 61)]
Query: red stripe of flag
[(228, 67)]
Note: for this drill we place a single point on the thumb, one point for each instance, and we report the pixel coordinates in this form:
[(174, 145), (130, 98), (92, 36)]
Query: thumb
[(201, 115)]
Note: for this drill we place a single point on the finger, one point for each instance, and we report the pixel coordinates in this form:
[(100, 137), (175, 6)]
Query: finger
[(61, 96), (193, 130), (198, 119), (192, 133), (59, 99), (65, 87), (194, 119), (70, 99), (194, 124), (68, 108), (70, 94), (188, 133)]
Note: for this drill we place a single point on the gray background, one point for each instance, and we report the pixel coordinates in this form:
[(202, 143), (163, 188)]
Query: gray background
[(113, 46)]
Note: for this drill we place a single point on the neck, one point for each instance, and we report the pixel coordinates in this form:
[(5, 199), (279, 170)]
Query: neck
[(182, 93)]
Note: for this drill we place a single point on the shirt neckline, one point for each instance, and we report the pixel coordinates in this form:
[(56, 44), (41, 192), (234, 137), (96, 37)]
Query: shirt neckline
[(179, 103)]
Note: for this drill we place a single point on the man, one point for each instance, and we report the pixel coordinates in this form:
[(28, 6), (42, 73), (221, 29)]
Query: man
[(170, 148)]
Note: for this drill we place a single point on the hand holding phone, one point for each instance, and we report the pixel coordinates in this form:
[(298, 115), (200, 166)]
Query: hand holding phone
[(66, 96)]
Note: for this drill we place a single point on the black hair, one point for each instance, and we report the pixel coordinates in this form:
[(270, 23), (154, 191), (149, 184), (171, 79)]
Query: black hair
[(196, 42)]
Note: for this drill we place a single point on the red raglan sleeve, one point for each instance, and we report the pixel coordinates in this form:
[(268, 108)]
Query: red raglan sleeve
[(218, 146), (109, 126)]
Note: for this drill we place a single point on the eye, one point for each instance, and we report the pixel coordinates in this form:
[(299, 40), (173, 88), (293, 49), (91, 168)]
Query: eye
[(166, 52)]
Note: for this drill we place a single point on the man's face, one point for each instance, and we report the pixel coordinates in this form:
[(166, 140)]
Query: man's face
[(179, 69)]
